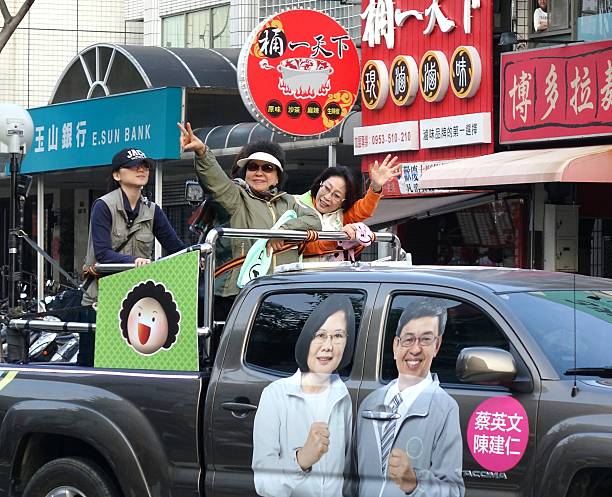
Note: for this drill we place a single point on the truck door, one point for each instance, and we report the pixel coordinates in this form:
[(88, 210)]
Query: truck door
[(495, 459), (258, 348)]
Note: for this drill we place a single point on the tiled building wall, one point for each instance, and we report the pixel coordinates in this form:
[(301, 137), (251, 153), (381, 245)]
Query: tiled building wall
[(52, 33)]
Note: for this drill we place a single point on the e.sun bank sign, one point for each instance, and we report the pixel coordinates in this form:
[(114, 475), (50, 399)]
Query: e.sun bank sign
[(89, 132)]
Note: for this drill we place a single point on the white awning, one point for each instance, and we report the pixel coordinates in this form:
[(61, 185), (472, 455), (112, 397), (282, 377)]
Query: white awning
[(569, 165), (394, 210)]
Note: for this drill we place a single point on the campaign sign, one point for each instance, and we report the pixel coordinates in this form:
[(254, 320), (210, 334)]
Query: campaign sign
[(298, 73), (147, 316), (498, 432)]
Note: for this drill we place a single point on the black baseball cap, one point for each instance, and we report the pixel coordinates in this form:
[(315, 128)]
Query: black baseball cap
[(130, 157)]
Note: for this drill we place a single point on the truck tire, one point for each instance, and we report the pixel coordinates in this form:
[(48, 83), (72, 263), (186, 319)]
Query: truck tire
[(70, 477)]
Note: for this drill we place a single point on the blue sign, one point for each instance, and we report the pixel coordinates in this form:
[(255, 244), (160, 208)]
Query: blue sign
[(89, 132)]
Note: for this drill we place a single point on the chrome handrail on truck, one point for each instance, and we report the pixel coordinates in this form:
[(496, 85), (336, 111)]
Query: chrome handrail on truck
[(207, 249)]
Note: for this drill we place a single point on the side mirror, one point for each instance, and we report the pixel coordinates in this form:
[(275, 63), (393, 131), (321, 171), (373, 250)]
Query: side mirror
[(485, 365), (193, 192)]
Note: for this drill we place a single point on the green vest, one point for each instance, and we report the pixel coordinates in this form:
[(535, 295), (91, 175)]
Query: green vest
[(141, 235)]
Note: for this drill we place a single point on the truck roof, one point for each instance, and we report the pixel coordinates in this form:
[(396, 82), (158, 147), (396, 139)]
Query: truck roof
[(495, 279)]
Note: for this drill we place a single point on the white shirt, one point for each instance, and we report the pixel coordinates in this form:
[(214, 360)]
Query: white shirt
[(409, 395), (538, 16)]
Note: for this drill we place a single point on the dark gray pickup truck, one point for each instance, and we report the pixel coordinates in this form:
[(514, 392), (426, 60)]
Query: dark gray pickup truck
[(537, 342)]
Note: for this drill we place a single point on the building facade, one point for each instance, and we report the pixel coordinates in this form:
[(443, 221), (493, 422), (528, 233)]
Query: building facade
[(50, 35)]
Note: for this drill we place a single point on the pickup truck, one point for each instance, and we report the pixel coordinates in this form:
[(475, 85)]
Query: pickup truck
[(537, 341)]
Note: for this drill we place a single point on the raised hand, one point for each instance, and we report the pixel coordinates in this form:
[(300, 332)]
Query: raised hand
[(316, 445), (189, 141), (401, 472), (384, 172)]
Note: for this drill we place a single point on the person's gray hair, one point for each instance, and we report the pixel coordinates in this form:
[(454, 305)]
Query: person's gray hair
[(423, 307)]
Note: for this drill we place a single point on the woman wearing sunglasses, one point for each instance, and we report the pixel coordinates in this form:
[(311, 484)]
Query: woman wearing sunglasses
[(336, 196), (252, 199)]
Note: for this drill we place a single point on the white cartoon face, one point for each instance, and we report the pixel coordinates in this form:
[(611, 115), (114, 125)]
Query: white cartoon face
[(147, 326)]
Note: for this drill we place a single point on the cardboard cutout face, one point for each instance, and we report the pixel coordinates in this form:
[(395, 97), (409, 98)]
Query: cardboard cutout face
[(147, 326)]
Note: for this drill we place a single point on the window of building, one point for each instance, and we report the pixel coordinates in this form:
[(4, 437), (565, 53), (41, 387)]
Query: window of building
[(207, 28), (278, 324), (594, 20), (466, 326), (550, 15)]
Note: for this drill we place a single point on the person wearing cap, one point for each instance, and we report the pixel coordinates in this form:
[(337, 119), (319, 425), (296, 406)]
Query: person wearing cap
[(252, 200), (124, 225), (303, 424)]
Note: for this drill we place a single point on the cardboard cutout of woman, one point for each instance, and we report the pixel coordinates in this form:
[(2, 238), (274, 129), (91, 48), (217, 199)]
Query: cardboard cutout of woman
[(303, 425)]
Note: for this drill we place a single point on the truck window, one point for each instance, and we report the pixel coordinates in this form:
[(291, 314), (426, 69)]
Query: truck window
[(466, 326), (278, 324)]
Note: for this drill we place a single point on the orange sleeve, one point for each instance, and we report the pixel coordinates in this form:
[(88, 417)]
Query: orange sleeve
[(361, 210)]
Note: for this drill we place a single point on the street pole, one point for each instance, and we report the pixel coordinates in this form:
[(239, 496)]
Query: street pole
[(12, 241), (15, 339)]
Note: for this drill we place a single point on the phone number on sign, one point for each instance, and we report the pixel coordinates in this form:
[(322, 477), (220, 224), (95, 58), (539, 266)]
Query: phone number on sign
[(387, 138)]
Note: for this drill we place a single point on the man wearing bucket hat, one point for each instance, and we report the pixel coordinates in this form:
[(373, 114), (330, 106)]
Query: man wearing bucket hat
[(253, 199)]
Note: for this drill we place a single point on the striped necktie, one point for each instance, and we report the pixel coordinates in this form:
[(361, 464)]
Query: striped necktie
[(388, 434)]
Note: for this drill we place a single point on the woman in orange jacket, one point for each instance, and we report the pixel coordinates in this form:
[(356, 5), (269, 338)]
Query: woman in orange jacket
[(336, 196)]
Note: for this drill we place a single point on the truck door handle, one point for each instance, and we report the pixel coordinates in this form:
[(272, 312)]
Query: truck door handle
[(239, 409)]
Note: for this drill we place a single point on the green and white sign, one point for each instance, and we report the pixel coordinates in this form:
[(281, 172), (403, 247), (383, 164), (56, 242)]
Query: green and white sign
[(147, 317)]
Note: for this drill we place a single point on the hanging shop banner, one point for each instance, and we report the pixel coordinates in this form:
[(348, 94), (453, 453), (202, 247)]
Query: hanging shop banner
[(438, 55), (89, 132), (147, 316), (556, 93), (298, 73)]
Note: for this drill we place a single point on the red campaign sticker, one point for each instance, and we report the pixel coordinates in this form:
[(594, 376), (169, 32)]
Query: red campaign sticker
[(298, 73), (498, 432)]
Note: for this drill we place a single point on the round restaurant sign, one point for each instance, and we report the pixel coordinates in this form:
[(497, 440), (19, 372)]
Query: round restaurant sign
[(298, 73)]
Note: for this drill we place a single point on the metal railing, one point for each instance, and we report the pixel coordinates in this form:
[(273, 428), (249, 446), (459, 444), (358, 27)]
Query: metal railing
[(207, 249)]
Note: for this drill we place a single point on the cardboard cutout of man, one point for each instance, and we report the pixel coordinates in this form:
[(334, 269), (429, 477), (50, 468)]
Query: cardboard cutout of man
[(408, 437)]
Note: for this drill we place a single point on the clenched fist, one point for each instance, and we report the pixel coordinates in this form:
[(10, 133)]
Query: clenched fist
[(316, 445), (401, 472)]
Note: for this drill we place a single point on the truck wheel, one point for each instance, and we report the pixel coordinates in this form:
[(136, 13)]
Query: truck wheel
[(70, 477)]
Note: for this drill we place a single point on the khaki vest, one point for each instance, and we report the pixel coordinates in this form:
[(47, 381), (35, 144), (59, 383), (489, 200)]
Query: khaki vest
[(141, 240)]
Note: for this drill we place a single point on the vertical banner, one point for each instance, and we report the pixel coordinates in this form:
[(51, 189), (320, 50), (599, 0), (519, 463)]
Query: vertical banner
[(147, 317)]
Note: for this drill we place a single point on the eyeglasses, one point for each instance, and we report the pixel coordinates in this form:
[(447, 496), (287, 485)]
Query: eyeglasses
[(326, 190), (410, 340), (321, 337), (144, 165), (266, 168)]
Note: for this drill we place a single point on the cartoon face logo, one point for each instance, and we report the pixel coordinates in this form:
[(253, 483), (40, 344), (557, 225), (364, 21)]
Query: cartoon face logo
[(149, 318)]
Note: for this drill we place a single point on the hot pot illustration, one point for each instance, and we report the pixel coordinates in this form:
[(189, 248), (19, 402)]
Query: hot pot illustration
[(302, 77)]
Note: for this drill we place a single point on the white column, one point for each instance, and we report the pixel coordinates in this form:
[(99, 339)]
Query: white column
[(40, 239), (158, 200), (331, 155)]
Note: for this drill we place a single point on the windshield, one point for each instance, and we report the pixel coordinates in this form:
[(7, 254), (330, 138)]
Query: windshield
[(549, 316)]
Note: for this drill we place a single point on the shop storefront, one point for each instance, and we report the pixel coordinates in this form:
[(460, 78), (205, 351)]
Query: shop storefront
[(427, 87), (557, 97)]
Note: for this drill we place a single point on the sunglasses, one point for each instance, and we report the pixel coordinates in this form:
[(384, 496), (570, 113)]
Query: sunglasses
[(144, 165), (266, 168)]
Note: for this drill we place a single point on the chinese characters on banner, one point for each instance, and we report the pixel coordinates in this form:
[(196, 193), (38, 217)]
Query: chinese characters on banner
[(557, 93), (298, 73), (498, 432), (436, 65)]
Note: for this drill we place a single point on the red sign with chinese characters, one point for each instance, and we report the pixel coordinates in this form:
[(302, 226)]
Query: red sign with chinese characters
[(556, 93), (449, 44), (298, 73)]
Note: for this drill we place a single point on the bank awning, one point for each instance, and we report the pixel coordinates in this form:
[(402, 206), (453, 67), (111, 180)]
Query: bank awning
[(229, 139), (394, 210), (568, 165)]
